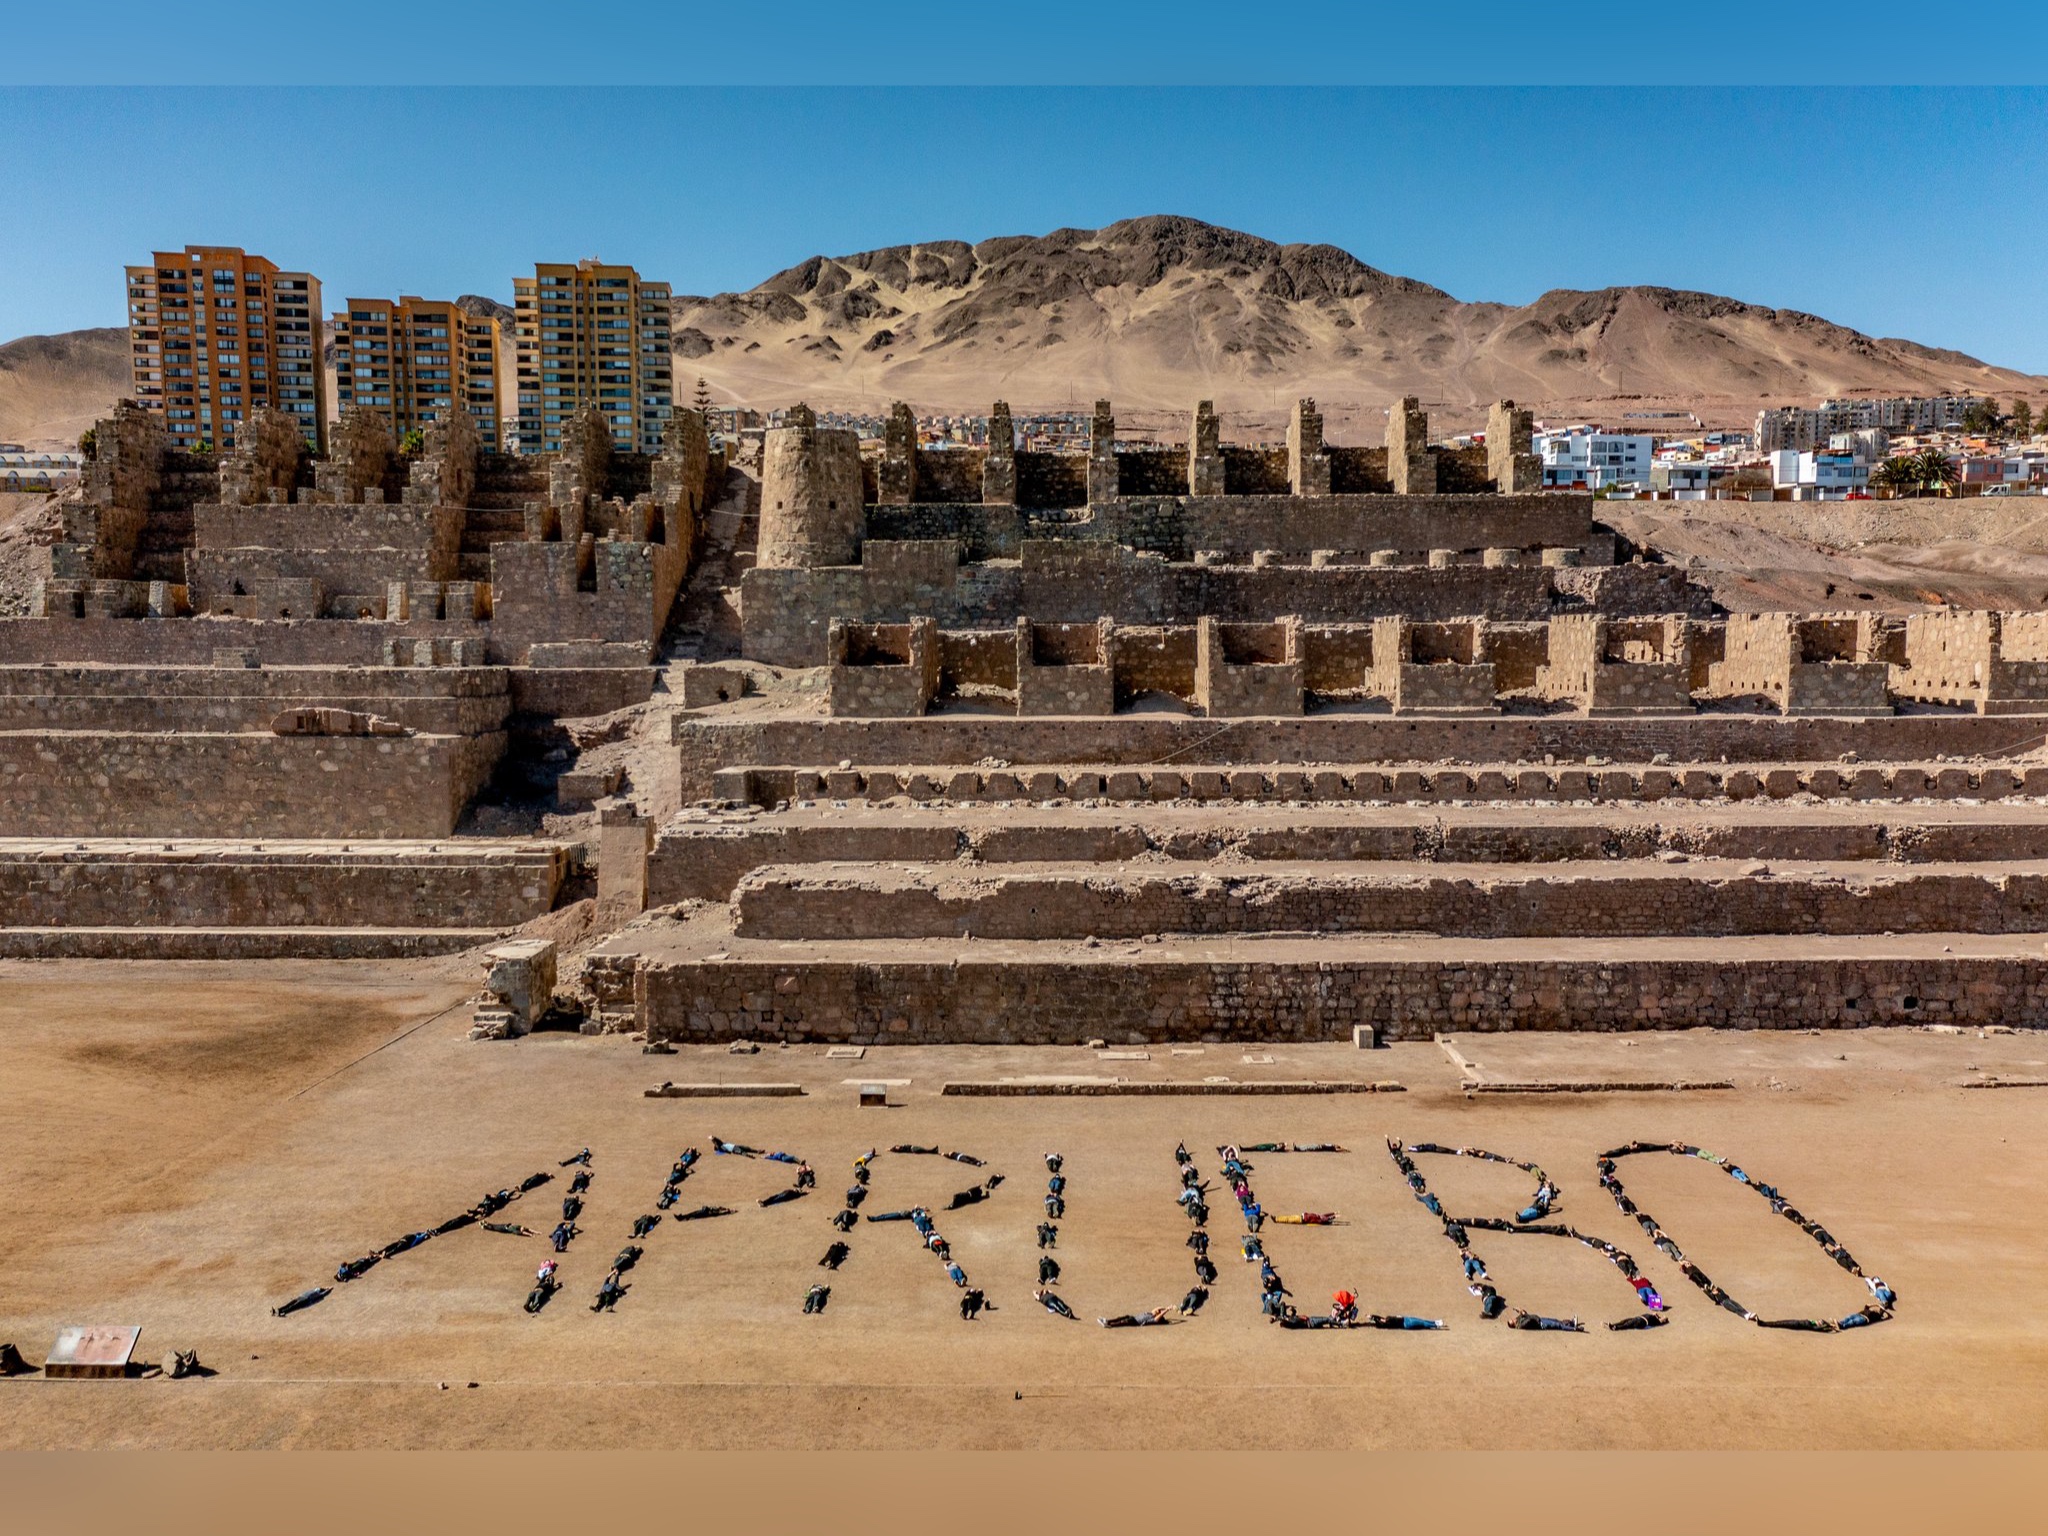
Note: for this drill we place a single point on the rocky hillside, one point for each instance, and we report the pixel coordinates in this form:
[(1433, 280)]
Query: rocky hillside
[(1158, 311), (51, 387)]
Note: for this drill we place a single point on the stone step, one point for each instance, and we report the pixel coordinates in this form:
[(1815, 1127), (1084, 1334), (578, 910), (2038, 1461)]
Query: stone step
[(1381, 784), (701, 983), (1623, 898), (238, 943), (703, 854)]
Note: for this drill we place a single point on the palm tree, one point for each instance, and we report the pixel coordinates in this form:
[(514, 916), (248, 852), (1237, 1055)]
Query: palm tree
[(1935, 471), (1897, 475)]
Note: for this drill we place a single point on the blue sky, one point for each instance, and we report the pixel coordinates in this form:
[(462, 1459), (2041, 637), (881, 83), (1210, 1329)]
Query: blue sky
[(1900, 211)]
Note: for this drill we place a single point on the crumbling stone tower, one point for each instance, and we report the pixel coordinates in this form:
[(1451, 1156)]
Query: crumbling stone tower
[(999, 463), (896, 474), (1205, 452), (1308, 466), (1409, 465), (101, 527), (360, 449), (264, 465), (1511, 461), (810, 494), (1103, 478)]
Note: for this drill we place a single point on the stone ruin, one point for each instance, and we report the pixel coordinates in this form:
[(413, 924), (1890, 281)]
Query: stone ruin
[(1207, 740), (519, 988)]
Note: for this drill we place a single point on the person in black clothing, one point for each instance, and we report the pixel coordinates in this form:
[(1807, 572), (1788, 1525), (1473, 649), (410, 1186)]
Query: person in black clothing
[(780, 1196), (1199, 1240), (608, 1294), (1640, 1320), (1205, 1271), (642, 1225), (628, 1257), (582, 1157), (534, 1181), (356, 1267), (844, 1221), (834, 1256), (581, 1182), (302, 1300), (971, 1303), (806, 1176), (972, 1162), (1048, 1235), (1191, 1303), (816, 1297), (855, 1195), (560, 1237), (968, 1197), (703, 1211), (572, 1207)]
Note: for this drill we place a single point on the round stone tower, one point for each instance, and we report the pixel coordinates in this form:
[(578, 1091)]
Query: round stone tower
[(810, 494)]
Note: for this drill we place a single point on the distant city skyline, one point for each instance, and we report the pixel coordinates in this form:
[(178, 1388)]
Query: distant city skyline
[(1907, 213)]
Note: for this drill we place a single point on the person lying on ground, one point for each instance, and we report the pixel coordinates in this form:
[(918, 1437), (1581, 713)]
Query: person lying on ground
[(971, 1303), (781, 1196), (572, 1207), (608, 1294), (1532, 1320), (1401, 1320), (816, 1297), (1052, 1303), (1797, 1324), (862, 1174), (806, 1176), (1189, 1195), (1430, 1203), (866, 1157), (1254, 1248), (1181, 1155), (410, 1240), (561, 1235), (1055, 1207), (511, 1229), (534, 1181), (1193, 1302), (355, 1267), (642, 1225), (1490, 1304), (1646, 1293), (1274, 1305), (1863, 1317), (1199, 1240), (1265, 1146), (843, 1221), (1054, 1162), (996, 1178), (681, 1170), (955, 1273), (703, 1211), (1319, 1146), (1057, 1183), (1308, 1219), (1048, 1269), (921, 1219), (1191, 1178), (834, 1256), (855, 1195), (969, 1159), (581, 1182), (780, 1157), (628, 1257), (906, 1147), (1475, 1267), (538, 1296), (669, 1196), (1198, 1213), (1048, 1235), (893, 1216), (733, 1148), (940, 1246), (1273, 1285), (1640, 1320), (1137, 1319), (582, 1157), (1880, 1290), (1205, 1271), (491, 1204), (1254, 1216), (302, 1300)]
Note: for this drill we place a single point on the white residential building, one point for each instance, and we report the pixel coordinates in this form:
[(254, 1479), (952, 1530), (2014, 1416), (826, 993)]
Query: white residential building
[(1583, 458), (1819, 475)]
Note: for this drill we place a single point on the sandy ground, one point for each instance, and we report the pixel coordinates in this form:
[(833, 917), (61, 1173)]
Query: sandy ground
[(193, 1143)]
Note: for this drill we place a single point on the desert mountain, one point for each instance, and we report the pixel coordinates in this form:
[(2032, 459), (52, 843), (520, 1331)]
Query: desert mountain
[(1156, 312), (51, 387), (1159, 312)]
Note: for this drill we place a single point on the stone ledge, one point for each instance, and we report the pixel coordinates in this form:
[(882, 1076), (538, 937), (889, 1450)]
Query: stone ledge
[(1157, 1090)]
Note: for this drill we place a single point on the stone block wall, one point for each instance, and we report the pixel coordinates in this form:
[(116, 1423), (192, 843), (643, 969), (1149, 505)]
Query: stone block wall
[(1064, 669), (1049, 1001), (882, 670), (1248, 669)]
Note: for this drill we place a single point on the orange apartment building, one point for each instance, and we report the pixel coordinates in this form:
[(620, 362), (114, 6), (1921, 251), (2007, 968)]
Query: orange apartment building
[(214, 332), (589, 333), (413, 359)]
